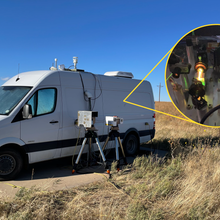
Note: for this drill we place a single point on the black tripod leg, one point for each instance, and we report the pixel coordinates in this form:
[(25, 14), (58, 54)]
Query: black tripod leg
[(103, 156), (89, 153), (107, 169), (122, 149), (105, 144), (117, 154)]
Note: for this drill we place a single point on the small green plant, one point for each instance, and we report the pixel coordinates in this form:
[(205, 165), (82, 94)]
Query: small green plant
[(114, 166), (139, 211), (25, 193)]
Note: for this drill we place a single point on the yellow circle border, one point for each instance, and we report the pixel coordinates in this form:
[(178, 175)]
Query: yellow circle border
[(190, 120)]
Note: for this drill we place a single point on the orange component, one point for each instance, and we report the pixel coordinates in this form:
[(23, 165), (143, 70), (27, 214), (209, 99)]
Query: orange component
[(118, 169), (108, 171), (200, 72), (200, 69), (73, 171), (200, 65)]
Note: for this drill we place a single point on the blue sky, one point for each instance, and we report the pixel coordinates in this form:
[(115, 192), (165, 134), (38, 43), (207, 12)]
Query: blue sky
[(105, 35)]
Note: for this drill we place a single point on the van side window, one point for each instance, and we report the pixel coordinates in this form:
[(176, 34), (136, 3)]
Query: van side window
[(43, 101), (33, 102)]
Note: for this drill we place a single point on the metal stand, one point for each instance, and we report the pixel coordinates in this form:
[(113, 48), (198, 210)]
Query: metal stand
[(114, 134), (89, 135)]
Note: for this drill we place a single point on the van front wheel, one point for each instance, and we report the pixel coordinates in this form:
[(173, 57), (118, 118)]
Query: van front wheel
[(10, 164), (131, 145)]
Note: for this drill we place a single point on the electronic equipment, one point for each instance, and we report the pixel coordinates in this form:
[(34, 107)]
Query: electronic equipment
[(87, 118), (113, 120)]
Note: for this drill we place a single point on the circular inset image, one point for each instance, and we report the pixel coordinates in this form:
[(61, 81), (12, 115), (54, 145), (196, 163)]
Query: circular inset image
[(193, 75)]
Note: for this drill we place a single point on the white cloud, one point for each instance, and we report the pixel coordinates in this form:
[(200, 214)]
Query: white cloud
[(5, 79)]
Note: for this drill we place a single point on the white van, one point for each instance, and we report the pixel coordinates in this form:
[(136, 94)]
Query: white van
[(39, 109)]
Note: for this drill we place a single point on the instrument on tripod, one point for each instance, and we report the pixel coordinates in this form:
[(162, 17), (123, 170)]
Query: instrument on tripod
[(114, 121), (87, 119)]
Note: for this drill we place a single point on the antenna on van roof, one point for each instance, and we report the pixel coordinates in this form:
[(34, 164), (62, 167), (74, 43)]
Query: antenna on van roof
[(55, 63), (52, 67), (75, 61), (18, 72)]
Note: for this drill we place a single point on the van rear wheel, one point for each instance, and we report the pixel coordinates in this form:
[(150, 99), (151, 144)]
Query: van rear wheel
[(11, 164), (131, 145)]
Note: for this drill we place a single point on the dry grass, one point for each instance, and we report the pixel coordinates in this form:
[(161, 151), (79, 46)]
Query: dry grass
[(180, 131), (198, 194), (170, 127), (95, 201), (183, 186)]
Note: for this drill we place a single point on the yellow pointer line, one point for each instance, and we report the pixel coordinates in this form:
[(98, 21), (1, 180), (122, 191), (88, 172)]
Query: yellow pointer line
[(14, 186), (142, 81), (157, 111), (147, 74)]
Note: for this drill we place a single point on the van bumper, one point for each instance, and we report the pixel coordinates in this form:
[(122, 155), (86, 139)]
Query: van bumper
[(147, 132), (152, 133)]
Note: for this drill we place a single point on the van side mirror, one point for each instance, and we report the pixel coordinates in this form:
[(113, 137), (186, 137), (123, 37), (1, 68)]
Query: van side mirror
[(27, 111)]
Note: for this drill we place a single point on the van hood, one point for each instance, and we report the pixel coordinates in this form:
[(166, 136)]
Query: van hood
[(3, 117), (4, 120)]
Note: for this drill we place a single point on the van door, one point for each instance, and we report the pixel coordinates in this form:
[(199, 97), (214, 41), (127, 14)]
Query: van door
[(41, 132), (74, 101)]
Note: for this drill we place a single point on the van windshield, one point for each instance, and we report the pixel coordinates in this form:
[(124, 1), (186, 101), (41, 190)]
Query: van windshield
[(10, 96)]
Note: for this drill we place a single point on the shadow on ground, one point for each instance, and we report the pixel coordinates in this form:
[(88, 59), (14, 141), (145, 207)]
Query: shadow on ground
[(167, 143), (63, 167)]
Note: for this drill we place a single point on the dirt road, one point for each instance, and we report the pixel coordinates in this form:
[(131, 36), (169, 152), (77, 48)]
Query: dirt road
[(50, 175), (57, 175)]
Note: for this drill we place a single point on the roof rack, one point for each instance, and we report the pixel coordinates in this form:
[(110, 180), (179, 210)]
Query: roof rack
[(119, 74)]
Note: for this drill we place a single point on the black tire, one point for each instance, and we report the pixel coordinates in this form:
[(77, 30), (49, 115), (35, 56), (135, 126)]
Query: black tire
[(11, 164), (131, 145)]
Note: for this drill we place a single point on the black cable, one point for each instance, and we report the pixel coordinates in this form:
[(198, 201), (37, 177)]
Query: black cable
[(94, 93), (96, 79), (70, 66), (209, 113), (83, 86), (94, 89)]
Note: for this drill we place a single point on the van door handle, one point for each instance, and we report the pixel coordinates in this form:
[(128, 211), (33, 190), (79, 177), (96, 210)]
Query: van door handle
[(53, 122)]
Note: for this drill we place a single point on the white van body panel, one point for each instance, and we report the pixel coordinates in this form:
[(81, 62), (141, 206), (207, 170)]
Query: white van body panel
[(43, 140), (9, 133), (33, 78), (11, 140), (40, 130)]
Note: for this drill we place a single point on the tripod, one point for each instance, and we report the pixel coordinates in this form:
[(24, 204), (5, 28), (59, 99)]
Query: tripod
[(90, 133), (114, 134)]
